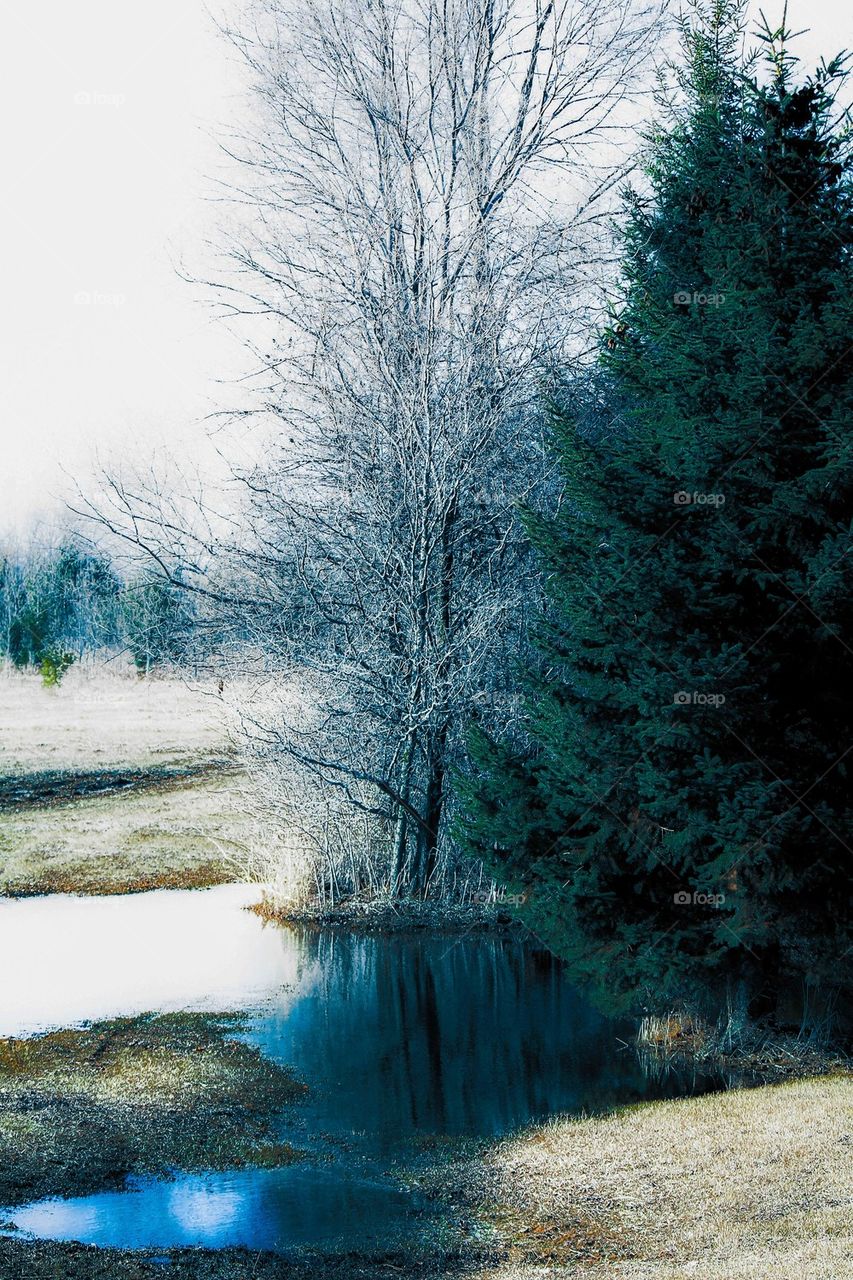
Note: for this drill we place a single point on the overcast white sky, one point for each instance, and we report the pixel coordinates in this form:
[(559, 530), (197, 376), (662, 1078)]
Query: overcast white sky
[(107, 107)]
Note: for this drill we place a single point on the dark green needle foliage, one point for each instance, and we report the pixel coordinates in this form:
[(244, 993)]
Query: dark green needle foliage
[(676, 804)]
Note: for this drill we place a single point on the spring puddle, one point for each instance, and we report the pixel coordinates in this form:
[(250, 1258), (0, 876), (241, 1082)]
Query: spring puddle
[(401, 1040), (275, 1209)]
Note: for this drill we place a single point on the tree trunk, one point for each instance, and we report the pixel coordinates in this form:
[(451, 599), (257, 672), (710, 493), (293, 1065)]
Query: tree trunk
[(400, 860), (430, 832)]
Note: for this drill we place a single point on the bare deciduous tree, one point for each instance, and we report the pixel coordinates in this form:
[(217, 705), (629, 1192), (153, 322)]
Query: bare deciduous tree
[(425, 183)]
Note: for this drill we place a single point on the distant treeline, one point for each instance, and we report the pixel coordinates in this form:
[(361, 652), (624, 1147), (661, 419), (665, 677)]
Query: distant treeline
[(60, 602)]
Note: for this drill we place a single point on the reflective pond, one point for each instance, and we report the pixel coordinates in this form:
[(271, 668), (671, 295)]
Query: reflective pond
[(254, 1208), (398, 1038)]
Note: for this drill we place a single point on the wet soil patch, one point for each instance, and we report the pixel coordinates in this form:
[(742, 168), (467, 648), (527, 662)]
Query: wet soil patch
[(64, 786), (80, 1110)]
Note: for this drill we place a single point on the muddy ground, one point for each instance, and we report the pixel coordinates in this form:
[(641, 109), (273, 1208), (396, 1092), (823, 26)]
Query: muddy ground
[(745, 1185), (57, 786), (76, 1262), (82, 1109)]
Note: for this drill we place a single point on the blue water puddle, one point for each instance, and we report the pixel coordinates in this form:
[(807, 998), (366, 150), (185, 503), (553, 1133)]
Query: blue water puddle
[(275, 1209)]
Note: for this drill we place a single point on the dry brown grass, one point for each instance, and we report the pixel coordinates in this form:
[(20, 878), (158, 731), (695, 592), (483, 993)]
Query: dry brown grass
[(672, 1033), (178, 834), (104, 718), (747, 1185), (183, 837), (751, 1051)]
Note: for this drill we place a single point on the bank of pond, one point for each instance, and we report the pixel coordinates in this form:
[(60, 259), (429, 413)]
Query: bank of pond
[(177, 1072)]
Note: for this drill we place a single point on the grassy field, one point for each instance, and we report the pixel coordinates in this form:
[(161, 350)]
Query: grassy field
[(181, 837), (747, 1185), (169, 812), (101, 718)]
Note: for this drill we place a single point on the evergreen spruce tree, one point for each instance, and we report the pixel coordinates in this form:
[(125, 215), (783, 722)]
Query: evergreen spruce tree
[(676, 807)]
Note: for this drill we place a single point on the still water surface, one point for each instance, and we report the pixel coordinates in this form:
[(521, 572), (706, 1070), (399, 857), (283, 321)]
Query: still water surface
[(273, 1209), (398, 1039)]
